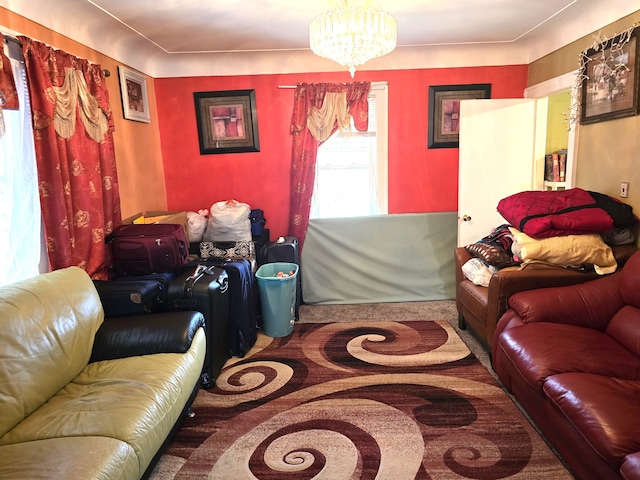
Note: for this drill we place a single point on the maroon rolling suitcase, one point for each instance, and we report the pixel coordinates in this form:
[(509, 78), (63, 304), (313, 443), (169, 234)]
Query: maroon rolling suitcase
[(147, 249)]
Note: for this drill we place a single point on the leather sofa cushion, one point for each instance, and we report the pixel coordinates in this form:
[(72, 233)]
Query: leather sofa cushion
[(605, 411), (135, 399), (100, 458), (540, 350), (47, 327)]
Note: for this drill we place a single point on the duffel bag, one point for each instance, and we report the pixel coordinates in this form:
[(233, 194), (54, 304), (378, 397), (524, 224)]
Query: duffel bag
[(148, 248), (256, 217), (228, 250)]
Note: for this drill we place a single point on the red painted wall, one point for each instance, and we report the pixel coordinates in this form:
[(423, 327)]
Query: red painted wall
[(420, 179)]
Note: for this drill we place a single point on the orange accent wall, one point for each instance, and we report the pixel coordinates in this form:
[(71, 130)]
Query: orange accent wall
[(137, 145), (420, 179)]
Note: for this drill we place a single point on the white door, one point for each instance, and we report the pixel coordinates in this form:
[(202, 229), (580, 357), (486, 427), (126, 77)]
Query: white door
[(496, 159)]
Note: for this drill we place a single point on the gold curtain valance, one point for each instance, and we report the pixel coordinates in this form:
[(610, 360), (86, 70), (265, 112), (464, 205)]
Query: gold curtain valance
[(74, 90)]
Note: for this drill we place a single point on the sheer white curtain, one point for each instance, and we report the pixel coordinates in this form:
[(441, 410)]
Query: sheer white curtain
[(20, 218)]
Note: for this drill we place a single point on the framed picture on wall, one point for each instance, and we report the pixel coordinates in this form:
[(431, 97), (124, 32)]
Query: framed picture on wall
[(227, 121), (611, 80), (444, 111), (133, 90)]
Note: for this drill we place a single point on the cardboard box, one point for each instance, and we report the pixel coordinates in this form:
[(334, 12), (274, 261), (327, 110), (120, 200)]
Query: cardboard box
[(159, 216)]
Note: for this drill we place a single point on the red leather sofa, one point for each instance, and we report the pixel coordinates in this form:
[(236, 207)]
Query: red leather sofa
[(571, 357)]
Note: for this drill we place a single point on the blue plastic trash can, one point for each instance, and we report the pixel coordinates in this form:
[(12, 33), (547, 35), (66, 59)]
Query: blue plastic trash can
[(277, 297)]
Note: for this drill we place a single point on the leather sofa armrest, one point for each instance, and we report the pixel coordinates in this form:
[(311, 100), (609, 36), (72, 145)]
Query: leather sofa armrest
[(461, 256), (510, 280), (631, 466), (129, 336), (590, 304)]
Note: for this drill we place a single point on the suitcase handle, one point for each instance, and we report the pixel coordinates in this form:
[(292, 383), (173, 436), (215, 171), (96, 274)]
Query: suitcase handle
[(191, 280), (197, 274)]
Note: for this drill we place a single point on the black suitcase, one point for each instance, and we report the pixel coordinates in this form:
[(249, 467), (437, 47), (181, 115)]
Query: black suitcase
[(243, 302), (205, 289), (260, 241), (164, 279), (130, 296), (285, 249)]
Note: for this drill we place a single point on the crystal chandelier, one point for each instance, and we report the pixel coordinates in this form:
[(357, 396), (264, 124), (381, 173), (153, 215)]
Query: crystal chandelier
[(352, 34)]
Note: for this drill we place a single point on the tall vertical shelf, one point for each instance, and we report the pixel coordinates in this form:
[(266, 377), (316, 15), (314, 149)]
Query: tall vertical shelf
[(554, 97), (557, 134)]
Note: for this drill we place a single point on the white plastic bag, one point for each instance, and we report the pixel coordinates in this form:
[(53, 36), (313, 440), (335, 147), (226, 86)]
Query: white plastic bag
[(196, 226), (478, 272), (228, 222)]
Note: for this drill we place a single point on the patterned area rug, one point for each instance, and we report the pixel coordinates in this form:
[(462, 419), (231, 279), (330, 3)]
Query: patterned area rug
[(365, 400)]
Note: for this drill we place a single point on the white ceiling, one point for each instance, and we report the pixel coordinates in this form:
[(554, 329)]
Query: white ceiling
[(191, 37)]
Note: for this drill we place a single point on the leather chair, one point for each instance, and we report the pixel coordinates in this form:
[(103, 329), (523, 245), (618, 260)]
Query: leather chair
[(480, 308)]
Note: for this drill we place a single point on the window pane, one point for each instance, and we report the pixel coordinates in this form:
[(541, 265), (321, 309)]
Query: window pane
[(347, 171)]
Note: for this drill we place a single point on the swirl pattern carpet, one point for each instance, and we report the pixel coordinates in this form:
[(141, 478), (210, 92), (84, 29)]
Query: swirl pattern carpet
[(365, 400)]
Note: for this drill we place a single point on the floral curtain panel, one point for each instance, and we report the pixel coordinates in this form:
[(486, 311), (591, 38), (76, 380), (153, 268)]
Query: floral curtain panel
[(73, 131), (319, 110), (8, 93)]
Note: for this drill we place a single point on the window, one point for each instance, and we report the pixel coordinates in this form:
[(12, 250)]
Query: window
[(351, 168), (20, 230)]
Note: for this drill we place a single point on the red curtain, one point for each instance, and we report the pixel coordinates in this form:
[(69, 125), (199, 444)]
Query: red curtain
[(8, 93), (305, 147), (73, 132)]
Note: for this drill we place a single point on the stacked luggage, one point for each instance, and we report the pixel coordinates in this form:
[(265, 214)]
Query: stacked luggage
[(153, 272)]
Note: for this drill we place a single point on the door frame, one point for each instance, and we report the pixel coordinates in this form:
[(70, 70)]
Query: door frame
[(552, 86)]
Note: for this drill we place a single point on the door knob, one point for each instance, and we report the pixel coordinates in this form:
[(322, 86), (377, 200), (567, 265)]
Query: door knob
[(466, 218)]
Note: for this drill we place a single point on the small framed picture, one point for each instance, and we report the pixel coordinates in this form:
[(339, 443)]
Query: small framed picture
[(611, 80), (133, 90), (444, 111), (227, 121)]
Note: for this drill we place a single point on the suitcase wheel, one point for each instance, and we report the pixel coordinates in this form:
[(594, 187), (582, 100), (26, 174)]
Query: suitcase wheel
[(205, 381)]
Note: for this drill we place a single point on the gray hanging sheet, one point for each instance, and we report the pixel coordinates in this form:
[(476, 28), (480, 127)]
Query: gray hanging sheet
[(380, 259)]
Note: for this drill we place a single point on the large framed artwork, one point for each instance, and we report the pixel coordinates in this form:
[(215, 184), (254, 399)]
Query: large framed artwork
[(227, 121), (133, 90), (611, 80), (444, 111)]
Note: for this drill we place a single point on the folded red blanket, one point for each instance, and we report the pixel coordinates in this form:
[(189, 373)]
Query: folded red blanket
[(543, 214)]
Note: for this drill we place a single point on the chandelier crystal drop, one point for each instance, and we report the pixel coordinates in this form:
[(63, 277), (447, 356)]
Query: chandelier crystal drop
[(352, 35)]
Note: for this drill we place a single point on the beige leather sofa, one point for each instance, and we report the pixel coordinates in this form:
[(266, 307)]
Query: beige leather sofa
[(86, 398)]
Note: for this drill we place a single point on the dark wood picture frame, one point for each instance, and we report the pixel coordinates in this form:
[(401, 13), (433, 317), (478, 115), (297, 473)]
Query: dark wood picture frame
[(444, 111), (611, 80), (227, 121)]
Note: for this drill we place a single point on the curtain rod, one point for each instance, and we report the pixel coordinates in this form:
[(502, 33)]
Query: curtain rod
[(373, 87), (12, 38)]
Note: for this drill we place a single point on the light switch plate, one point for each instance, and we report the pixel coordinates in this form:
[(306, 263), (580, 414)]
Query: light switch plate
[(624, 189)]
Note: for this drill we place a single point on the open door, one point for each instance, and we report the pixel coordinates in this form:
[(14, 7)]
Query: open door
[(498, 146)]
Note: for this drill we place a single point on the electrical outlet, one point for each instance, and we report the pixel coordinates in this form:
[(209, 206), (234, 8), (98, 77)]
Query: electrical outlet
[(624, 189)]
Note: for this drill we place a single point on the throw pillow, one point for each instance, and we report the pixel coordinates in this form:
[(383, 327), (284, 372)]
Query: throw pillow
[(567, 250), (491, 254)]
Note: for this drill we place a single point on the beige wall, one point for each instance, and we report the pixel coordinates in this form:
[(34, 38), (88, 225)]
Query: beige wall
[(137, 145), (608, 152)]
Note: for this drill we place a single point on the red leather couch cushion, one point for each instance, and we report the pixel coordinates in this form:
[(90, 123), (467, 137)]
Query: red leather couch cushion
[(539, 350), (605, 411)]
